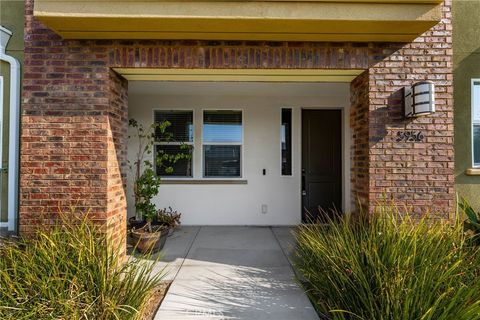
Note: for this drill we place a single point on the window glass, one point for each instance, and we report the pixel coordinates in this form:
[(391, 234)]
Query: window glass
[(286, 142), (476, 123), (222, 143), (222, 126), (181, 168), (222, 160), (476, 145), (476, 101), (178, 134), (180, 128)]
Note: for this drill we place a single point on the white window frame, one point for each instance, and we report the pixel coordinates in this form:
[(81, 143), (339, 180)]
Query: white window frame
[(190, 143), (291, 142), (474, 82), (6, 223), (241, 144)]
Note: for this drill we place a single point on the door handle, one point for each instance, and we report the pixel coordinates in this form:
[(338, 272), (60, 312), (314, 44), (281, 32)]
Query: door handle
[(304, 191)]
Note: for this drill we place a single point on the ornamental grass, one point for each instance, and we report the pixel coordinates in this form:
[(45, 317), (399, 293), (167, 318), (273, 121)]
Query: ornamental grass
[(390, 267), (72, 271)]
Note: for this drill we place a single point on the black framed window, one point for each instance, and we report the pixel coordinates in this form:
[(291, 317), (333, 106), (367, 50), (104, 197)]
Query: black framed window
[(222, 143), (177, 134), (286, 141)]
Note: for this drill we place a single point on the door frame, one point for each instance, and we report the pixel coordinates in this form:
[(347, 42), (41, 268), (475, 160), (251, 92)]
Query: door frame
[(345, 155)]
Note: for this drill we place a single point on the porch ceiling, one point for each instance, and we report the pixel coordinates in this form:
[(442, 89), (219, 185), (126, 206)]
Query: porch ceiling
[(307, 20), (245, 75)]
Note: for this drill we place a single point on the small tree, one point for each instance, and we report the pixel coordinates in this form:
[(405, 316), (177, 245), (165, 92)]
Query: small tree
[(146, 181)]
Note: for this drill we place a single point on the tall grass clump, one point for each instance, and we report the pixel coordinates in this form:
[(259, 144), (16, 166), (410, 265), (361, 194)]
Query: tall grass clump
[(389, 267), (71, 271)]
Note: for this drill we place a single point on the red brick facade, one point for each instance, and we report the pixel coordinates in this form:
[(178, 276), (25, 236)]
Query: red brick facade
[(117, 156), (359, 123), (419, 175), (74, 115)]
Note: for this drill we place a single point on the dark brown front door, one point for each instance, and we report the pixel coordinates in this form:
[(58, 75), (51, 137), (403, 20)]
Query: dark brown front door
[(321, 162)]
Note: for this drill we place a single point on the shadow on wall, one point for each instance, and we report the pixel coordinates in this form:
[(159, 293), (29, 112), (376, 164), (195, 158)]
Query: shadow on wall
[(389, 117)]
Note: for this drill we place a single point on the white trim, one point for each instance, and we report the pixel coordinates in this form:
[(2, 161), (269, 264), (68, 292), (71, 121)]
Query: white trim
[(241, 144), (472, 121), (227, 143), (1, 146), (1, 124), (14, 136), (191, 143), (291, 143)]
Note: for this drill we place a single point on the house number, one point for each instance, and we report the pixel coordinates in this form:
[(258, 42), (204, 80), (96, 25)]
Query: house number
[(409, 136)]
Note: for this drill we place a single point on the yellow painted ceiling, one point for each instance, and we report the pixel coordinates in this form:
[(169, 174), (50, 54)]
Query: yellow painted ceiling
[(242, 75)]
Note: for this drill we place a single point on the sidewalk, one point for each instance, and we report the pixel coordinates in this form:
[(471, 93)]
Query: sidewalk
[(232, 273)]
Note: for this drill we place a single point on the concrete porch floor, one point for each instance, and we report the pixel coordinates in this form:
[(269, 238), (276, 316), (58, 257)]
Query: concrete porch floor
[(232, 273)]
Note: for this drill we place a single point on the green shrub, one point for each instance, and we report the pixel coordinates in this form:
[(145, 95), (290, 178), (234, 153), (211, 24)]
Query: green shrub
[(69, 272), (472, 223), (390, 268)]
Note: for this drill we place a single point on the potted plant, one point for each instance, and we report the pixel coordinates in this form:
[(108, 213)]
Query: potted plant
[(147, 233), (169, 218)]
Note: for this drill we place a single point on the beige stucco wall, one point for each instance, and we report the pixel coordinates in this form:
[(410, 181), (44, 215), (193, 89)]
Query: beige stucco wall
[(11, 17), (466, 43)]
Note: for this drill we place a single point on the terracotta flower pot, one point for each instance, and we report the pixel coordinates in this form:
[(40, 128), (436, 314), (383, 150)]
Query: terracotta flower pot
[(145, 241)]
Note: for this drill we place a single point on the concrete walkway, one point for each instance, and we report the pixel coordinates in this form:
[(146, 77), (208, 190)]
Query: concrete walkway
[(232, 273)]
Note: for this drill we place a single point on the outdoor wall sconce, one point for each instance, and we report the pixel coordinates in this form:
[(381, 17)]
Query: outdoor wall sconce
[(419, 99)]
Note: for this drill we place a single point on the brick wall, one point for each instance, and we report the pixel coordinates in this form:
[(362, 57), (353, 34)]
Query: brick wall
[(359, 124), (418, 175), (73, 131), (117, 157), (74, 115)]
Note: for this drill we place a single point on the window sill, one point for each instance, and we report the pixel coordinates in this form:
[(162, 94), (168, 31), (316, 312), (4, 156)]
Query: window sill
[(203, 181), (473, 172)]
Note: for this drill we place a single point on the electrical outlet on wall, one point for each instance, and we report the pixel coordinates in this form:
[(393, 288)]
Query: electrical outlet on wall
[(264, 208)]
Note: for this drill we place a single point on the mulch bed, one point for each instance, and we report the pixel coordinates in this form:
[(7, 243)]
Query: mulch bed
[(153, 303)]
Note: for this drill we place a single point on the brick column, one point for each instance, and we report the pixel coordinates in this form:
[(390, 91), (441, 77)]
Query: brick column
[(417, 175), (359, 124), (117, 158), (73, 141)]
